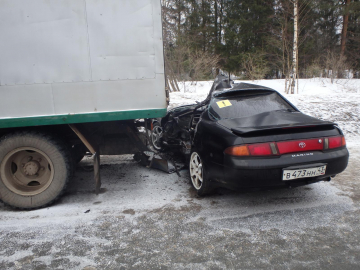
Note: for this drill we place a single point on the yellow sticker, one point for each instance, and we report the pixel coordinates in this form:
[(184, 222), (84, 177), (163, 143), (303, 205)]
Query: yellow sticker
[(224, 103)]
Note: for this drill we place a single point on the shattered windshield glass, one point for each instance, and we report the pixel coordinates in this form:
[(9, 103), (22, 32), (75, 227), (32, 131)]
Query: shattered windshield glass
[(246, 105)]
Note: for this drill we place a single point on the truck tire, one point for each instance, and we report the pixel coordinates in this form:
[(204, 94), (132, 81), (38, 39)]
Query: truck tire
[(34, 169)]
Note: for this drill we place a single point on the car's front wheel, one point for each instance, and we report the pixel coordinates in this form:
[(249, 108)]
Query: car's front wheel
[(155, 136), (198, 174)]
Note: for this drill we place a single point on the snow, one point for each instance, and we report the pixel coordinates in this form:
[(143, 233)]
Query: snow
[(338, 102)]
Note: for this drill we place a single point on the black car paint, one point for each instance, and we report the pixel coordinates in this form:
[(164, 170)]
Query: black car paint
[(267, 172), (211, 137), (270, 121), (255, 172)]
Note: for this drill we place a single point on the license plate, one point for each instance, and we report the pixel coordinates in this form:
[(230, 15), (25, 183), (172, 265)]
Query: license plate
[(303, 173)]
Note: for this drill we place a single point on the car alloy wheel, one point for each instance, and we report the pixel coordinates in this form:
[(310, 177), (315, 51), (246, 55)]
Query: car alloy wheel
[(196, 170), (156, 135)]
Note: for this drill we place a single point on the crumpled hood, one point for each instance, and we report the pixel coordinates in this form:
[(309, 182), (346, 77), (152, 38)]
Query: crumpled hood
[(271, 120)]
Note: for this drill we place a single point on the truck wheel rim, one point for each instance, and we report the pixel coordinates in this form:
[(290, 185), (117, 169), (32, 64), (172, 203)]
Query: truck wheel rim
[(196, 170), (156, 134), (27, 171)]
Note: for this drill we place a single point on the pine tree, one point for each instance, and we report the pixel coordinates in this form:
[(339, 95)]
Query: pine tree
[(256, 38), (248, 25), (353, 36)]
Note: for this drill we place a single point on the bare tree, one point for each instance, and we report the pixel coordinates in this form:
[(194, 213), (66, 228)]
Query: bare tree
[(255, 65), (335, 64), (283, 40), (172, 14), (299, 15), (294, 75)]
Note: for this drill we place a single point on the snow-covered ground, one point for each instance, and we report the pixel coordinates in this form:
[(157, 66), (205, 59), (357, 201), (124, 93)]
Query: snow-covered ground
[(338, 102)]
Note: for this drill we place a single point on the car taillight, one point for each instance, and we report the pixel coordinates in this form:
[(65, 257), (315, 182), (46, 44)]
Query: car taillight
[(286, 147), (300, 146), (240, 150), (335, 142), (261, 149), (258, 149)]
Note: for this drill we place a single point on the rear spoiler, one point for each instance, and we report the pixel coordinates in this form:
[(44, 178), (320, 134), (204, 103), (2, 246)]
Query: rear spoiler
[(248, 130)]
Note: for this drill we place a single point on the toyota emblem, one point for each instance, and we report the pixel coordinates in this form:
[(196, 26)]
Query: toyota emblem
[(302, 145)]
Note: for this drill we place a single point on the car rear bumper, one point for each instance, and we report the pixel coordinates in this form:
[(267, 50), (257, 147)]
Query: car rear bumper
[(267, 172)]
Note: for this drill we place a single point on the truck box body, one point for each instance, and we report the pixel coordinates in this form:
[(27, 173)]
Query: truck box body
[(77, 61)]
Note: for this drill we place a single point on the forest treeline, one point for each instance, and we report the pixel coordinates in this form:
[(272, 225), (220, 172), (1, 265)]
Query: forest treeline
[(255, 39)]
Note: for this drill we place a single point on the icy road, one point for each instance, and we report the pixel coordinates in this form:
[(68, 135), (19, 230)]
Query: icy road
[(146, 219)]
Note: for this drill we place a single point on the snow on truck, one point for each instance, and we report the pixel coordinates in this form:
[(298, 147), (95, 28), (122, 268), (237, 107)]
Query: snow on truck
[(74, 76)]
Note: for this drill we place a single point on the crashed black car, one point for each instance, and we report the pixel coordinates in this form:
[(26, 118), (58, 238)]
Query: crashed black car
[(250, 136)]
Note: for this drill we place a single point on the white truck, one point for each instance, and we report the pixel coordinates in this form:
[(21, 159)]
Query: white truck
[(74, 76)]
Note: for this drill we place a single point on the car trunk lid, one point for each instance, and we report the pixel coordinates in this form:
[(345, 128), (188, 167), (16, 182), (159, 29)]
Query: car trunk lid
[(275, 121)]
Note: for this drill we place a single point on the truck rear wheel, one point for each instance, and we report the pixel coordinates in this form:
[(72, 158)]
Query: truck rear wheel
[(34, 169)]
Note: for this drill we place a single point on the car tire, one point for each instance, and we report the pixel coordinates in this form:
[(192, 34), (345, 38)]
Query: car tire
[(34, 169), (198, 174)]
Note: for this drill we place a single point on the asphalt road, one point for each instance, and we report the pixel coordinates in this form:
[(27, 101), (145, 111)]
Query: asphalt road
[(145, 219)]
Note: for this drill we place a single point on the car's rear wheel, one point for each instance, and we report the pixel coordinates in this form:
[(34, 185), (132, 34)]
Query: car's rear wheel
[(34, 169), (198, 174)]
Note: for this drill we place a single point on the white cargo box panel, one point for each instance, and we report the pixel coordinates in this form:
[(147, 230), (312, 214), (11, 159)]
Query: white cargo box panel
[(72, 61)]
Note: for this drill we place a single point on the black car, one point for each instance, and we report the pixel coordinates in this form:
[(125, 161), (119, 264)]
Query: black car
[(250, 136)]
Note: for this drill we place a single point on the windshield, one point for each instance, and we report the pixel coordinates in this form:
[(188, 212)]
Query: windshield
[(244, 106)]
